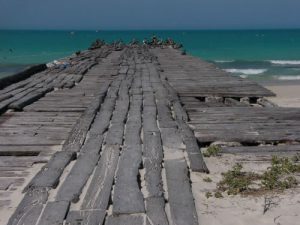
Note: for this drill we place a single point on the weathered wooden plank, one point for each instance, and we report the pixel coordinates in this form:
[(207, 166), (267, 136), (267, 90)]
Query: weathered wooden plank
[(247, 137), (97, 198), (24, 150), (180, 113), (5, 183), (125, 220), (13, 174), (149, 99), (196, 161), (115, 134), (132, 134), (28, 99), (85, 217), (102, 120), (155, 209), (128, 197), (30, 208), (6, 96), (120, 112), (181, 199), (32, 108), (171, 138), (123, 69), (5, 103), (153, 156), (54, 213), (152, 146), (25, 140), (165, 122), (164, 115), (149, 119), (49, 175), (82, 169), (79, 131), (271, 149), (69, 84)]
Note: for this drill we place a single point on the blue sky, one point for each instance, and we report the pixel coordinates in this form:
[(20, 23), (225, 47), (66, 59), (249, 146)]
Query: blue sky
[(150, 14)]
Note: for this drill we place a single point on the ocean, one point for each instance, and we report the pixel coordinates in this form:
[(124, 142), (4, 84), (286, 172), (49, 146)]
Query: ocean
[(255, 54)]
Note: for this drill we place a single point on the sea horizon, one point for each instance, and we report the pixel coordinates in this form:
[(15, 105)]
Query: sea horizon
[(259, 54), (146, 29)]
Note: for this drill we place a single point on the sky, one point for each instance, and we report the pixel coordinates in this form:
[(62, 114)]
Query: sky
[(149, 14)]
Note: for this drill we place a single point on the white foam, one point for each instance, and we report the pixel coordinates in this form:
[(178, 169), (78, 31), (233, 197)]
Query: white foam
[(246, 71), (223, 61), (287, 77), (244, 76), (285, 62)]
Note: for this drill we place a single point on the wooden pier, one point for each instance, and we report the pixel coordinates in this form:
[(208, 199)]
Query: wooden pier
[(113, 137)]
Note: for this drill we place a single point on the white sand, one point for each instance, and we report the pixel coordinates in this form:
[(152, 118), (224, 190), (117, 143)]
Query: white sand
[(237, 210), (287, 95)]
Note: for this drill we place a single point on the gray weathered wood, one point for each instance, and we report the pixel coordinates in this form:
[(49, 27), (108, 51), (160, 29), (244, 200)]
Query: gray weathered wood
[(104, 176), (79, 131), (102, 119), (85, 217), (51, 172), (171, 138), (195, 156), (115, 134), (128, 197), (283, 149), (125, 220), (132, 134), (180, 195), (155, 209), (149, 118), (54, 213), (153, 156), (30, 208), (82, 169)]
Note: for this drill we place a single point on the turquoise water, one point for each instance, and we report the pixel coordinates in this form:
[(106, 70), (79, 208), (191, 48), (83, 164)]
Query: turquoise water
[(263, 54)]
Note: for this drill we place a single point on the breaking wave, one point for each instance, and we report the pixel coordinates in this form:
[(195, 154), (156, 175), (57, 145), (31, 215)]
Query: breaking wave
[(285, 62), (287, 77), (247, 71)]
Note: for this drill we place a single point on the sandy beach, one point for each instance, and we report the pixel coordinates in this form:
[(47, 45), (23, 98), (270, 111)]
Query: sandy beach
[(288, 93), (237, 209)]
